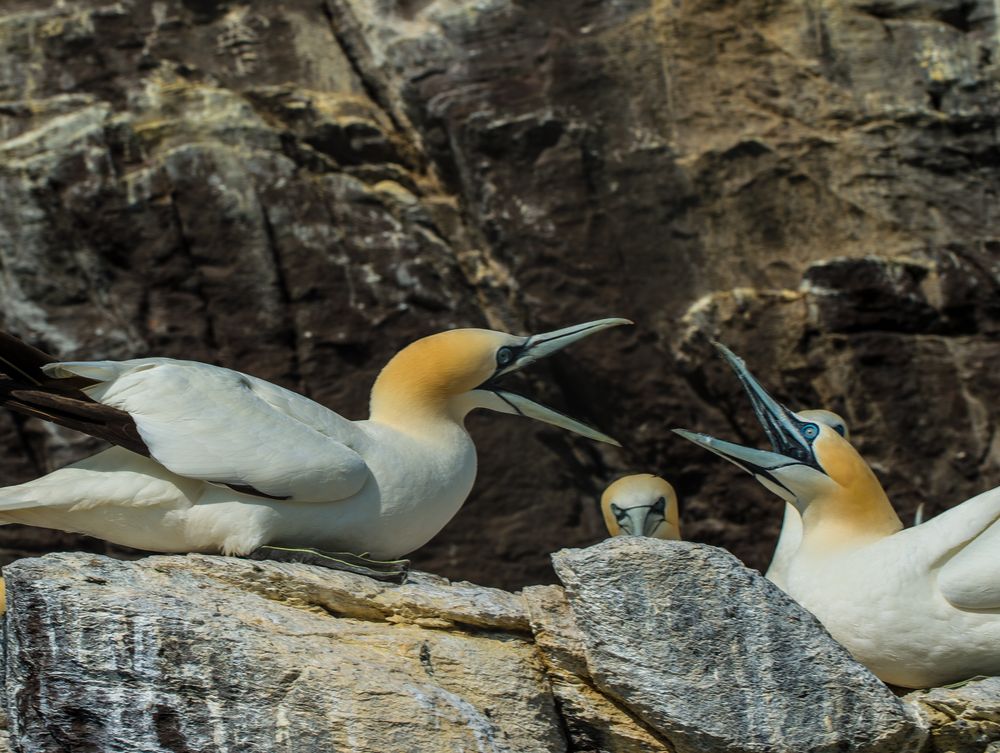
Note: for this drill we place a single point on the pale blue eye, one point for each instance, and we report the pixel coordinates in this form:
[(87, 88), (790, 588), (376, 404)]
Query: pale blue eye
[(810, 431)]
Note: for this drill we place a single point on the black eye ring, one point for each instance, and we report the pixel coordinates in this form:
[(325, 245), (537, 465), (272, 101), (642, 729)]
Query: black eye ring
[(660, 505), (618, 512), (841, 430), (810, 431), (504, 356)]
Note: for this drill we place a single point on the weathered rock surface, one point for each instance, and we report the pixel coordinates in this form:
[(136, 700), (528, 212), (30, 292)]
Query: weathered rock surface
[(206, 653), (966, 718), (716, 658), (593, 721), (296, 189), (652, 647)]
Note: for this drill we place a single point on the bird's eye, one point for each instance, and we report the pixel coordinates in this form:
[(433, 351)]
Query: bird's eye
[(504, 356), (840, 429), (810, 431), (660, 505), (618, 512)]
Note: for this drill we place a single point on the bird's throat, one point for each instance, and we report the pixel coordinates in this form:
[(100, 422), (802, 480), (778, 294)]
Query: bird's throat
[(849, 519)]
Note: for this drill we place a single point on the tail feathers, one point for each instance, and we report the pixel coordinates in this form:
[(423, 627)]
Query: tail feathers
[(36, 388), (17, 497), (27, 364), (74, 411), (21, 361)]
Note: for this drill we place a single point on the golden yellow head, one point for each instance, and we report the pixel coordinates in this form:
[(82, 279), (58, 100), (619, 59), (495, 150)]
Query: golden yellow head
[(847, 472), (446, 375), (641, 505), (427, 374), (812, 466)]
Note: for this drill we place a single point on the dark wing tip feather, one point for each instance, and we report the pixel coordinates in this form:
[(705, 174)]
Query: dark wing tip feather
[(29, 390), (18, 360), (74, 411)]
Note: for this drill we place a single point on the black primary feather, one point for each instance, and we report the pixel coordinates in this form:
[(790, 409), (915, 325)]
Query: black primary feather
[(30, 391)]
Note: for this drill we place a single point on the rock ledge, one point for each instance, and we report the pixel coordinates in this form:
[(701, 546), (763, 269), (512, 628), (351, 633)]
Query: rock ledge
[(652, 646)]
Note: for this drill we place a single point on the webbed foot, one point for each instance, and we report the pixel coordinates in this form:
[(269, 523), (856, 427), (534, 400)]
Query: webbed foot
[(962, 683), (391, 571)]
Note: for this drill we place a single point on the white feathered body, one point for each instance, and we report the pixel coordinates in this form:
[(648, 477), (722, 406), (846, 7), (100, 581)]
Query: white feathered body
[(788, 544), (347, 486), (919, 608)]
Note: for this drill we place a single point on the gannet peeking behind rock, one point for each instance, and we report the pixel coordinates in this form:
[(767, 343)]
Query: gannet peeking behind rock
[(921, 606), (641, 505), (212, 460)]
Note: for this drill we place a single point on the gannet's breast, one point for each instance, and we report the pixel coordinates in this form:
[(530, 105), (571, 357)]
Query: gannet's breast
[(920, 607), (418, 484), (788, 544)]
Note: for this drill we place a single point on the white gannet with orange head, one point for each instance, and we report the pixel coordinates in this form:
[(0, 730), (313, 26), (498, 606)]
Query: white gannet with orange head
[(213, 460), (641, 505), (919, 607)]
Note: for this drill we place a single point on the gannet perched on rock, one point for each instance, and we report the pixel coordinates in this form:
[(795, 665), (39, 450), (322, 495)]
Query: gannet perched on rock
[(921, 606), (641, 505), (212, 460)]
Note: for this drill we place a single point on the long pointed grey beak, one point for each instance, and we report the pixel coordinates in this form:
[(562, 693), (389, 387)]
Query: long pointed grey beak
[(761, 464), (522, 406), (641, 520), (540, 346), (782, 427), (532, 349), (748, 458)]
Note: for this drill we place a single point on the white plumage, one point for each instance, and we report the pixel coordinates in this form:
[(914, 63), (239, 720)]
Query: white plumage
[(235, 463), (921, 606)]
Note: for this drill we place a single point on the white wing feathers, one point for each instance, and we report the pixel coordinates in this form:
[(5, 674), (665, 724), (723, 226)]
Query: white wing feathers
[(215, 424), (970, 579)]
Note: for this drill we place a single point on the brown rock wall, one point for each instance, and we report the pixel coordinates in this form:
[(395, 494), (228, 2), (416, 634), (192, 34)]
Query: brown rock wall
[(298, 189)]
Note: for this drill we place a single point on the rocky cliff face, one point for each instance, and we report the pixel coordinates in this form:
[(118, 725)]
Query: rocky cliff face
[(652, 646), (298, 189)]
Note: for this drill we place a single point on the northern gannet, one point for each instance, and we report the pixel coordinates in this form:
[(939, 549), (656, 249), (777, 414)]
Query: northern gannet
[(920, 607), (791, 524), (641, 505), (212, 460)]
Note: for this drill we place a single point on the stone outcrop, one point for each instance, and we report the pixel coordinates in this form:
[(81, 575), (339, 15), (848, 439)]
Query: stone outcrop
[(298, 189), (652, 646), (746, 669), (965, 717), (205, 653)]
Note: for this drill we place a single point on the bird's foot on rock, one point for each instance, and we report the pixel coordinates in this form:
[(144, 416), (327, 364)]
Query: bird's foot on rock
[(391, 571), (963, 683)]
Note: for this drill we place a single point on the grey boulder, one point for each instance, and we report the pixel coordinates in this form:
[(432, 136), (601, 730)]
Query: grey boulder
[(715, 658)]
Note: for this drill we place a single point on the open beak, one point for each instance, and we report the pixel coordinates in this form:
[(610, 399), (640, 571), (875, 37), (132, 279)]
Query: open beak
[(782, 427), (532, 349), (761, 464), (792, 449)]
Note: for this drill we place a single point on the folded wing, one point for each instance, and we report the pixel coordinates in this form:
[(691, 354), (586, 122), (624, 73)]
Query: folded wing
[(970, 578), (218, 425)]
